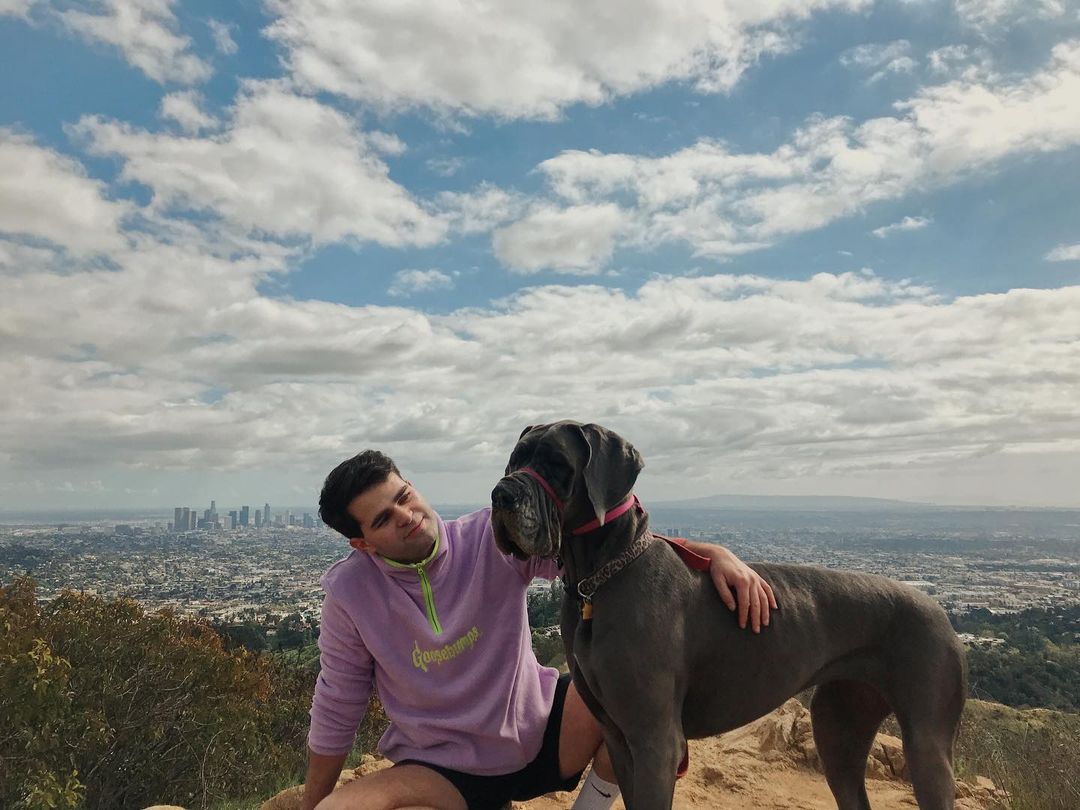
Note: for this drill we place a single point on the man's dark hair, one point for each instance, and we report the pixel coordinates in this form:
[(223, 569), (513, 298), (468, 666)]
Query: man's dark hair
[(348, 479)]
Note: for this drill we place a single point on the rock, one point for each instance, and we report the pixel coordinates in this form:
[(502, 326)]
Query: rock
[(291, 798), (288, 799), (887, 759), (981, 789), (784, 735)]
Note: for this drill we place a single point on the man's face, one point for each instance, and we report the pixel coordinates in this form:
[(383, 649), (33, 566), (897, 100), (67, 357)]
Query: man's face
[(396, 521)]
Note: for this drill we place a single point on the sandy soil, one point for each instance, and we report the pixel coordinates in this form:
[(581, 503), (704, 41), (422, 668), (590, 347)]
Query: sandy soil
[(771, 764)]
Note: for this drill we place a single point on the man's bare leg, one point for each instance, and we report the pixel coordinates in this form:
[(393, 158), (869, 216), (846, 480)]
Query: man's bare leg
[(581, 739), (397, 788)]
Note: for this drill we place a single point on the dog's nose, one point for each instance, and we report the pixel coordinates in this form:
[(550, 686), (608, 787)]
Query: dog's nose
[(501, 497)]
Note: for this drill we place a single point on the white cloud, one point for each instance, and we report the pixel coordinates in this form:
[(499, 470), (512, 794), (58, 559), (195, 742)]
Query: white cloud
[(283, 165), (16, 8), (480, 210), (144, 31), (46, 195), (723, 203), (185, 108), (579, 239), (906, 224), (19, 258), (512, 60), (445, 167), (989, 16), (1064, 253), (222, 34), (883, 59), (409, 282), (712, 377)]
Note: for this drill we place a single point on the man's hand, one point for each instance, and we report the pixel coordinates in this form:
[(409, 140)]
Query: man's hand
[(753, 596)]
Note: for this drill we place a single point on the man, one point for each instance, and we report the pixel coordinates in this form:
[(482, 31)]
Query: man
[(434, 615)]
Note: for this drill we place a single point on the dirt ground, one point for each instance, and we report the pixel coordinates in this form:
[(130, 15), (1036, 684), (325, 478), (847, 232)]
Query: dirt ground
[(771, 764)]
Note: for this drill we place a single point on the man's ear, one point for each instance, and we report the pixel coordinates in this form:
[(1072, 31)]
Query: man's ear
[(360, 544), (611, 469)]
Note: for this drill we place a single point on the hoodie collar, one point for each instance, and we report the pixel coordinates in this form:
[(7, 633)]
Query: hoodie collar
[(431, 562)]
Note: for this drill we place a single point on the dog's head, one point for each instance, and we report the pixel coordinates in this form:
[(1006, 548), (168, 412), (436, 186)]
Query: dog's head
[(589, 470)]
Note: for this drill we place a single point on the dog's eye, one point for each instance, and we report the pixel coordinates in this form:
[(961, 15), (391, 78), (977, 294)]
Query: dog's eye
[(560, 473)]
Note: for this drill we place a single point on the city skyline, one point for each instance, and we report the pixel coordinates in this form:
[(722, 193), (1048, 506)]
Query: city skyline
[(825, 247), (187, 518)]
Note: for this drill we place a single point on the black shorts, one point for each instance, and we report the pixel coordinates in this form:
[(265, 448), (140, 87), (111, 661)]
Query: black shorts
[(537, 778)]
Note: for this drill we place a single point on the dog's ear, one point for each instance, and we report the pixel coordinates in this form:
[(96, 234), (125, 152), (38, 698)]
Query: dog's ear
[(526, 430), (611, 469)]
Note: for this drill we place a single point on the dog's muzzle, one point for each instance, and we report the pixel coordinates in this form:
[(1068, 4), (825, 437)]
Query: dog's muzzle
[(523, 518)]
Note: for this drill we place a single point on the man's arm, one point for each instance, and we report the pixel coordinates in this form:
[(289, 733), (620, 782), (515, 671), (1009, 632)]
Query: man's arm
[(753, 596), (322, 774), (340, 701)]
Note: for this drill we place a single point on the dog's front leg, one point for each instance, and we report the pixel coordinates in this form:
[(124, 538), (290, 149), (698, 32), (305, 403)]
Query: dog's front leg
[(647, 769), (621, 761), (645, 741)]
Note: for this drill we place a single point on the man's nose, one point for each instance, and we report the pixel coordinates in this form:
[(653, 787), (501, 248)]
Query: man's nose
[(403, 514)]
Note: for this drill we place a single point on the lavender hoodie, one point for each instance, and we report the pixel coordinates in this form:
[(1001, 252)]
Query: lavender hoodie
[(451, 658)]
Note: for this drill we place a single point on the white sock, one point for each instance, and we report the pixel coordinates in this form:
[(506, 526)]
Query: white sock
[(596, 794)]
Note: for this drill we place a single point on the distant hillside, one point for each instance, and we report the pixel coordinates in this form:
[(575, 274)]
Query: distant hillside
[(797, 503)]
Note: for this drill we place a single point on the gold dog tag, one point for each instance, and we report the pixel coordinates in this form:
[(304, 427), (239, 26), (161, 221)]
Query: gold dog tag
[(586, 610)]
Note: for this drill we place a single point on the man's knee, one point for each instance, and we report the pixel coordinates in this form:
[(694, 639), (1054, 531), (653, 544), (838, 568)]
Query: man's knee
[(393, 788)]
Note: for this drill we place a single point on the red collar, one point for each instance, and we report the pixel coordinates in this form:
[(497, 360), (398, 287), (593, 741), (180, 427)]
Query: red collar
[(628, 504)]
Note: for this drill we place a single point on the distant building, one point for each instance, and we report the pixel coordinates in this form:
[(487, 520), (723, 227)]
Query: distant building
[(970, 640), (232, 519), (309, 521), (178, 514), (266, 514), (245, 514), (185, 519)]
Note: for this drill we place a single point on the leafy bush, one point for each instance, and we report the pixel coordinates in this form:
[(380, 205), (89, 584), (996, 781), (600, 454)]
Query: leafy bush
[(545, 606), (1032, 755), (1046, 677), (104, 705)]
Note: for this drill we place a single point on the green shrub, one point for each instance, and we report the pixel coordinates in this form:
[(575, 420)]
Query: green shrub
[(105, 706), (1032, 755)]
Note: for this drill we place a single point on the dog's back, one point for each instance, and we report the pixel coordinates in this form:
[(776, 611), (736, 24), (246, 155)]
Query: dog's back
[(832, 625)]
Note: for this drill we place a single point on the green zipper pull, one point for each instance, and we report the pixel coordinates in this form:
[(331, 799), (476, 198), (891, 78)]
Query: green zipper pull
[(425, 584), (429, 600)]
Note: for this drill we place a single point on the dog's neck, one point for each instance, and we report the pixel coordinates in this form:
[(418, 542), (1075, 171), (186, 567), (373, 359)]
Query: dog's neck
[(583, 554)]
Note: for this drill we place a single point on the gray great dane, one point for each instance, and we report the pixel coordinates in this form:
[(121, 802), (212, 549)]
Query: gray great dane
[(658, 658)]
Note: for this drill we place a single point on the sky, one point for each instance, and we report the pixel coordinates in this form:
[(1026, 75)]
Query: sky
[(785, 247)]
